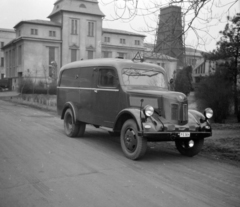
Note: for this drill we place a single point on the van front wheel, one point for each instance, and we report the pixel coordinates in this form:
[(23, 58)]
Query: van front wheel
[(190, 151), (133, 146), (72, 128)]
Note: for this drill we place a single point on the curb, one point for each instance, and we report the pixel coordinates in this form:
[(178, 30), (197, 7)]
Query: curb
[(43, 103)]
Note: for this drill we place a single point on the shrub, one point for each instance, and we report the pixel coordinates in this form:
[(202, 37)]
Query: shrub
[(26, 86), (214, 91), (183, 80)]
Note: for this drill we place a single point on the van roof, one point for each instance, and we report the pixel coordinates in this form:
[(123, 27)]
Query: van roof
[(114, 62)]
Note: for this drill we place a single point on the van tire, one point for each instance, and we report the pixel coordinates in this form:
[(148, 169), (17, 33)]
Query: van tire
[(182, 147), (134, 147), (82, 127), (71, 128)]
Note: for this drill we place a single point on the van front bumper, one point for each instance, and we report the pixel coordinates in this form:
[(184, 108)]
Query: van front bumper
[(172, 136)]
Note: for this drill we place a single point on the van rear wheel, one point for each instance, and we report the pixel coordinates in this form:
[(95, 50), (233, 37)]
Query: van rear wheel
[(133, 146), (73, 128)]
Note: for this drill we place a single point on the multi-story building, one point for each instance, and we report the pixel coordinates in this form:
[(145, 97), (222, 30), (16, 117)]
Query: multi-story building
[(6, 36), (122, 44), (201, 66), (74, 32)]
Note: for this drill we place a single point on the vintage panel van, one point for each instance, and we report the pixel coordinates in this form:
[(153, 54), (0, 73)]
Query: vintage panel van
[(130, 99)]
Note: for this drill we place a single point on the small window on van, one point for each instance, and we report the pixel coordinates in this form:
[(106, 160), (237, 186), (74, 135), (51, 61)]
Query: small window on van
[(69, 78), (107, 78)]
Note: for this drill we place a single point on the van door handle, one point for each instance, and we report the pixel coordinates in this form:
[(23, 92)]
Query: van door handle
[(95, 91)]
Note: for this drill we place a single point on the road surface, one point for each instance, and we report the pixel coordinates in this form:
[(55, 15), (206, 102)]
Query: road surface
[(41, 167)]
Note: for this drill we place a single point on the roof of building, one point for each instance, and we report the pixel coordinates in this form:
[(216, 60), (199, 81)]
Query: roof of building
[(193, 51), (78, 6), (7, 30), (123, 32), (39, 22), (155, 55)]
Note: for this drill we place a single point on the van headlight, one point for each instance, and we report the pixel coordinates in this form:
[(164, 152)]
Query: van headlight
[(208, 113), (148, 110)]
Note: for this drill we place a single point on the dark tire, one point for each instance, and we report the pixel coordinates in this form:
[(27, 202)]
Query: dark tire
[(82, 127), (133, 146), (184, 149), (114, 134), (71, 127)]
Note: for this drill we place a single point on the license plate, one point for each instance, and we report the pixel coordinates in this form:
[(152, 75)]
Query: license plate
[(184, 134)]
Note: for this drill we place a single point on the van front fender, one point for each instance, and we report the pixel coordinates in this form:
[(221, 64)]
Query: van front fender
[(124, 115)]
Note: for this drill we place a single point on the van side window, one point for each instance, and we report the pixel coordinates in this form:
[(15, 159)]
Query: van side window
[(69, 78), (77, 77), (107, 78)]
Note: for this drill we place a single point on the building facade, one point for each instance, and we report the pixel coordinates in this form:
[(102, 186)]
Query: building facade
[(122, 44), (6, 36), (74, 32)]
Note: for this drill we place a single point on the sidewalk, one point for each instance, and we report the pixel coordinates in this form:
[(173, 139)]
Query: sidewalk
[(8, 94), (39, 101)]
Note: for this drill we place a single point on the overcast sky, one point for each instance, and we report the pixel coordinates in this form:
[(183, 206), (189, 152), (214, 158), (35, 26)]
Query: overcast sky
[(14, 11)]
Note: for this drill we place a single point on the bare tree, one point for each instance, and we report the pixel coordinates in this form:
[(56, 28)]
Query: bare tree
[(198, 15)]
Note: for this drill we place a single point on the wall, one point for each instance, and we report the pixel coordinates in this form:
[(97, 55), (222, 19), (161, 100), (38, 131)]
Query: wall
[(115, 47), (81, 41), (6, 35)]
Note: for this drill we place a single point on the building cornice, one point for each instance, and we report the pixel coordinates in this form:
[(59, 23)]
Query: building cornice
[(76, 12), (38, 22), (30, 39), (122, 47)]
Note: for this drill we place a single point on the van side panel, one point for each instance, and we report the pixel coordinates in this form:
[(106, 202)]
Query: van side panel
[(86, 90), (75, 86), (67, 89)]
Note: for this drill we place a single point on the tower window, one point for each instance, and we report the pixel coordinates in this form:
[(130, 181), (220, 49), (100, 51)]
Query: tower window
[(74, 25), (82, 6), (90, 29)]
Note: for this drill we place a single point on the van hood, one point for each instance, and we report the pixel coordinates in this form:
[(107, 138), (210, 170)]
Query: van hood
[(181, 97)]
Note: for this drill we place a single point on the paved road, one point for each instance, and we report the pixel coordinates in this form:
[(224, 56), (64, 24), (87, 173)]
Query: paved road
[(40, 166)]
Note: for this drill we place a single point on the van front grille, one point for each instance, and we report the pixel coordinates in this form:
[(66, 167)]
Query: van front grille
[(185, 112), (174, 109)]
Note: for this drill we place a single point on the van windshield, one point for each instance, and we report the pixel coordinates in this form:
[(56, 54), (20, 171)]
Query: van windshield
[(143, 77)]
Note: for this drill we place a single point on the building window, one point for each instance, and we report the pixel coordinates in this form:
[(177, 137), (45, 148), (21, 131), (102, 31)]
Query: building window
[(106, 54), (14, 57), (122, 41), (6, 59), (90, 54), (51, 57), (34, 32), (90, 29), (52, 33), (122, 55), (19, 55), (2, 62), (82, 6), (137, 42), (106, 39), (74, 26), (73, 55), (10, 58), (2, 44), (19, 33)]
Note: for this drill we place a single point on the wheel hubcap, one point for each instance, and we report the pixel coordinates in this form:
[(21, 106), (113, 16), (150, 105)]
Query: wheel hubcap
[(130, 140)]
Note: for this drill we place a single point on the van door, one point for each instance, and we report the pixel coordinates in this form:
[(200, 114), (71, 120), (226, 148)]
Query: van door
[(106, 98)]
